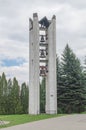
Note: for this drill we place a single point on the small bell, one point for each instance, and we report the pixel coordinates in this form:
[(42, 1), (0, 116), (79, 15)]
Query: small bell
[(42, 54), (42, 71), (46, 52), (42, 38), (46, 68), (46, 37), (42, 27)]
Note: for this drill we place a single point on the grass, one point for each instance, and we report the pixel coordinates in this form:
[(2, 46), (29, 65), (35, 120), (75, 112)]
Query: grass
[(24, 118), (83, 112)]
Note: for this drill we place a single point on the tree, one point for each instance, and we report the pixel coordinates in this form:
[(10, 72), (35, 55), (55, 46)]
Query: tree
[(24, 98), (70, 89), (3, 94), (0, 96), (9, 101), (15, 97), (42, 95), (84, 78), (59, 84), (11, 96)]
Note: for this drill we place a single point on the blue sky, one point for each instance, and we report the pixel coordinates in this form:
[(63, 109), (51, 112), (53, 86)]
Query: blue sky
[(14, 31), (12, 62)]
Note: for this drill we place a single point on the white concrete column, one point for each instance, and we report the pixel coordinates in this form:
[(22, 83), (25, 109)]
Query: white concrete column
[(34, 97), (51, 88)]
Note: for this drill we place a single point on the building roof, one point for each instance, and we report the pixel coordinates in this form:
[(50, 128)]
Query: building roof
[(45, 22)]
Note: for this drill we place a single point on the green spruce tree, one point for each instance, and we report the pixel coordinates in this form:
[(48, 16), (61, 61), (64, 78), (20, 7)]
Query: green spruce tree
[(24, 98), (15, 97), (3, 94), (70, 90), (42, 95), (9, 97)]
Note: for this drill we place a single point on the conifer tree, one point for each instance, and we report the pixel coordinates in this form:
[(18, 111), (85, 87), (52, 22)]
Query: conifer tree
[(24, 98), (71, 89), (3, 93), (0, 95), (15, 96), (9, 98), (42, 96)]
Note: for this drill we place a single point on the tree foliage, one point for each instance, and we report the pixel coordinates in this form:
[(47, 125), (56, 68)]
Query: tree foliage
[(24, 98), (11, 96), (71, 88), (42, 96), (71, 84)]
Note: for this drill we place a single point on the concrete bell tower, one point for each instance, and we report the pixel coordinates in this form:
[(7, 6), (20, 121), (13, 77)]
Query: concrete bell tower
[(42, 63)]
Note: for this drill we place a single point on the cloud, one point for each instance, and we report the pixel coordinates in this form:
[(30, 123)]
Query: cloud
[(20, 72), (76, 4), (14, 30), (11, 49)]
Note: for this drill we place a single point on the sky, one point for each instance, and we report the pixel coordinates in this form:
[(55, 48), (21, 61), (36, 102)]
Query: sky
[(14, 31)]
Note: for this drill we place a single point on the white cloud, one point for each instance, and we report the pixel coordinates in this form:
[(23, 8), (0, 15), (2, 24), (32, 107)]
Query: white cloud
[(14, 32), (13, 49), (20, 72)]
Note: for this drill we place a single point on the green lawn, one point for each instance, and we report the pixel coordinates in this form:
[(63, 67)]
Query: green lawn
[(24, 118), (83, 112)]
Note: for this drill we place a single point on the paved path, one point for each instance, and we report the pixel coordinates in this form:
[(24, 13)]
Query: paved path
[(70, 122)]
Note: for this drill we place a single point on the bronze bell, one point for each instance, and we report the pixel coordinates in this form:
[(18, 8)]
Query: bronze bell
[(42, 38)]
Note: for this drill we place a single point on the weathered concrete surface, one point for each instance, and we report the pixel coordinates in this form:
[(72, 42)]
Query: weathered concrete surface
[(34, 96), (70, 122), (51, 85)]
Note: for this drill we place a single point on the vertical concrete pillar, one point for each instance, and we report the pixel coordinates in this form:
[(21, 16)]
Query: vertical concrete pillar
[(49, 41), (34, 96), (51, 91)]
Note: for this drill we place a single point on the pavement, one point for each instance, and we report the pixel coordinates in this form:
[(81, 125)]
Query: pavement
[(70, 122)]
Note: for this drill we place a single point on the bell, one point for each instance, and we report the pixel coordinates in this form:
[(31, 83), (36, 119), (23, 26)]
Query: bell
[(42, 54), (42, 27), (42, 38), (46, 52), (42, 71), (46, 68), (46, 37)]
